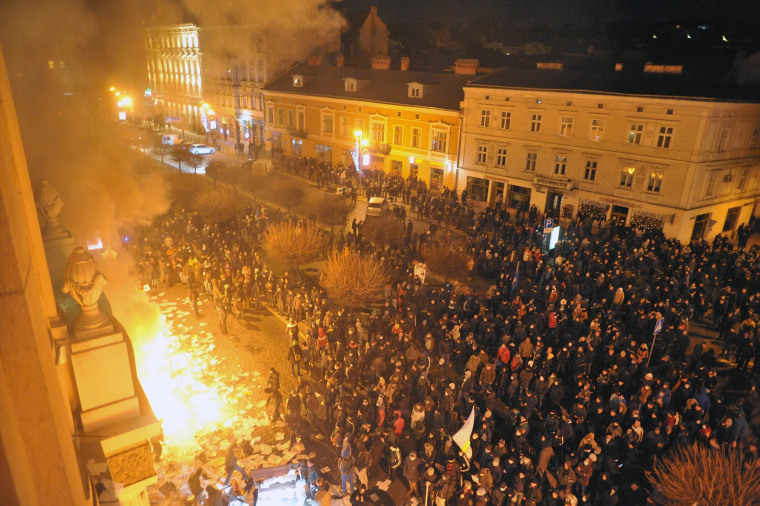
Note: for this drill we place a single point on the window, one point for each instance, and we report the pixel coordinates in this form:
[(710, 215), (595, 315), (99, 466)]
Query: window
[(398, 134), (634, 133), (396, 167), (530, 162), (350, 84), (710, 190), (291, 118), (416, 137), (655, 181), (732, 216), (439, 141), (51, 64), (590, 172), (506, 120), (327, 123), (742, 180), (482, 154), (301, 120), (723, 140), (501, 157), (535, 122), (378, 131), (626, 176), (436, 178), (485, 118), (270, 114), (560, 164), (566, 126), (664, 136), (297, 81), (597, 130), (344, 126), (414, 90)]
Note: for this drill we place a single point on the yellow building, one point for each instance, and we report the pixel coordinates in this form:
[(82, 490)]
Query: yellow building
[(634, 146), (404, 122)]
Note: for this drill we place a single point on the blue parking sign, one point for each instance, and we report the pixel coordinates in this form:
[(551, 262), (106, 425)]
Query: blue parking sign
[(548, 223)]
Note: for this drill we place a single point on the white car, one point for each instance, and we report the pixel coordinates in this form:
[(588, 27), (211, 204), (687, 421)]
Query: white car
[(377, 206), (202, 149)]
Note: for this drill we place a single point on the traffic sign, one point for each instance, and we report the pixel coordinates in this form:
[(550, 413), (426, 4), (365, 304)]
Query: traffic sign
[(658, 326), (548, 223)]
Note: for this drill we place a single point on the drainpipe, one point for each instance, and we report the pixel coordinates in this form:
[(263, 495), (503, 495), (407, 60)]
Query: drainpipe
[(459, 150)]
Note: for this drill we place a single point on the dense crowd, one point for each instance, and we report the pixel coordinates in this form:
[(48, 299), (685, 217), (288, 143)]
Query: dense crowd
[(572, 398)]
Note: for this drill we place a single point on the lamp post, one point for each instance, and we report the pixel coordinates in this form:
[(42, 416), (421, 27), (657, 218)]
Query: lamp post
[(361, 142)]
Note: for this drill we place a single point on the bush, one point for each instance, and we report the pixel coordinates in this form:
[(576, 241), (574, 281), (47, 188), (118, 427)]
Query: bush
[(445, 261), (295, 244), (332, 212), (215, 205), (353, 279), (703, 475)]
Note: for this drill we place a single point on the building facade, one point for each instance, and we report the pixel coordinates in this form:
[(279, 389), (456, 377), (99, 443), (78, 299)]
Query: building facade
[(174, 74), (601, 145), (403, 122)]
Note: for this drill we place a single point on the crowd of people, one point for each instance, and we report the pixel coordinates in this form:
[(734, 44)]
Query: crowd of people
[(571, 396)]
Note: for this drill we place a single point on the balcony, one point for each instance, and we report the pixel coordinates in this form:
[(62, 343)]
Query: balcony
[(379, 148), (298, 132), (556, 184)]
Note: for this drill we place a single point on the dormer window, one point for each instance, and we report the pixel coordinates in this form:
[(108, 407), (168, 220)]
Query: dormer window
[(415, 90), (297, 81), (350, 84)]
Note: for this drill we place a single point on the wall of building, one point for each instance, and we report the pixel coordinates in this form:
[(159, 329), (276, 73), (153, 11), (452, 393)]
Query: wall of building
[(668, 159), (299, 122)]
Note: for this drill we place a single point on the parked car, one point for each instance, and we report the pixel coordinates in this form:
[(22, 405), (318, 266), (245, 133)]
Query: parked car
[(377, 206), (337, 191), (171, 139), (201, 149)]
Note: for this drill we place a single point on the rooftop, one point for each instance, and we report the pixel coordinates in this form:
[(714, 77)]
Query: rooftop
[(440, 90), (624, 82)]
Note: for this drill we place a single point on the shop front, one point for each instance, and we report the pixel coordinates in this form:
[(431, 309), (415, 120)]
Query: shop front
[(647, 220), (593, 209), (619, 215), (518, 197), (553, 204), (477, 188), (496, 196)]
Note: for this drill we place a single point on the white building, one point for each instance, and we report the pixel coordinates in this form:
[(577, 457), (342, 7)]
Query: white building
[(644, 146)]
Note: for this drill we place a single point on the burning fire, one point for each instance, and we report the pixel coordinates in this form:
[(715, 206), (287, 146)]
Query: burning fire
[(176, 377)]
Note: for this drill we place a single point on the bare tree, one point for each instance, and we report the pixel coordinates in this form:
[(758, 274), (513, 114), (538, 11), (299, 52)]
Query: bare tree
[(384, 231), (445, 261), (180, 155), (215, 205), (296, 244), (353, 279), (163, 150), (704, 475), (195, 161), (183, 188), (332, 212)]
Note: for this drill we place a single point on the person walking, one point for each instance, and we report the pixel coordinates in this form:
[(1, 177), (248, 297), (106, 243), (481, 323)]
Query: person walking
[(231, 464), (295, 354), (346, 468)]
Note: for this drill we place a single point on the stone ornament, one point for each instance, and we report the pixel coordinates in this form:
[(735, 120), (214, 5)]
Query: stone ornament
[(49, 205), (84, 282)]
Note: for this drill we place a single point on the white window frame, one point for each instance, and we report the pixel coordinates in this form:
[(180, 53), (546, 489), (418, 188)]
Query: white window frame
[(635, 133), (323, 123), (626, 176), (416, 138), (589, 173), (344, 126), (654, 182), (506, 120), (439, 136), (566, 126), (482, 156), (485, 118), (377, 130), (398, 135), (596, 129)]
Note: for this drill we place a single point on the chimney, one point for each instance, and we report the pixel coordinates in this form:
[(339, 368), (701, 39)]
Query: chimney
[(618, 67), (340, 60), (405, 63), (312, 60), (466, 67), (381, 62), (373, 10)]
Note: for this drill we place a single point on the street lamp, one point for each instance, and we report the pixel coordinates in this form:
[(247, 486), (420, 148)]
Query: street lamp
[(358, 150)]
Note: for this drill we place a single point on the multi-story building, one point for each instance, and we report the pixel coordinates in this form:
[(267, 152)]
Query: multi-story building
[(234, 68), (401, 121), (648, 147), (174, 73)]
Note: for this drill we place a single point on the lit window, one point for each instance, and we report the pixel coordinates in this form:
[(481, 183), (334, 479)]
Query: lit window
[(626, 176), (590, 173), (378, 131), (655, 182), (597, 130), (416, 137), (506, 120), (566, 126), (482, 154), (664, 137), (530, 162), (634, 133), (485, 118), (535, 122), (398, 134), (439, 141), (51, 64), (501, 157), (560, 164)]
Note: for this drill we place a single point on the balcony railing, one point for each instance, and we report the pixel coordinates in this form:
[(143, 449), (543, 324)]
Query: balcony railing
[(298, 132), (380, 148), (557, 184)]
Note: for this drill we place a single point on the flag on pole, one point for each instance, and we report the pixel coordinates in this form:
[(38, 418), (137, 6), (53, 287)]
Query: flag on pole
[(516, 279), (462, 437)]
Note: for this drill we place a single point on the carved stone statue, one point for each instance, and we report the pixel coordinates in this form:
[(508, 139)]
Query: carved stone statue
[(84, 282), (49, 204)]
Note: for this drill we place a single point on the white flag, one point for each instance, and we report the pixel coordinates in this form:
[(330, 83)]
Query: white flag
[(462, 437)]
